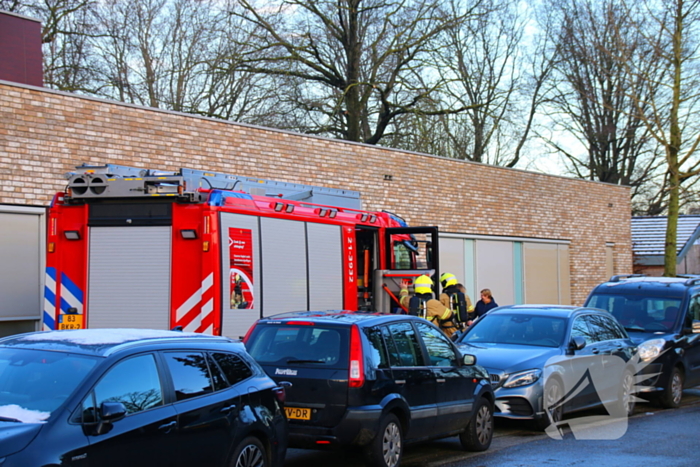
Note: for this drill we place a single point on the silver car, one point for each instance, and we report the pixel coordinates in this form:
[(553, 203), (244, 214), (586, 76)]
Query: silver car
[(546, 361)]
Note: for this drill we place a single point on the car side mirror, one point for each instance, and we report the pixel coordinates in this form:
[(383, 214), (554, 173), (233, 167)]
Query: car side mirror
[(577, 343), (469, 360), (109, 412), (112, 411), (696, 326)]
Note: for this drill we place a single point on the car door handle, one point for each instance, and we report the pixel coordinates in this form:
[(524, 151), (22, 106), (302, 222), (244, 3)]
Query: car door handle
[(228, 409), (168, 427), (440, 380), (400, 381), (595, 351)]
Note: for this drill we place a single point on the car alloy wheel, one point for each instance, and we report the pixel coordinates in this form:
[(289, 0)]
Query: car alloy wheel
[(552, 401), (391, 444), (250, 453), (676, 387), (484, 424), (386, 449), (627, 394), (478, 434)]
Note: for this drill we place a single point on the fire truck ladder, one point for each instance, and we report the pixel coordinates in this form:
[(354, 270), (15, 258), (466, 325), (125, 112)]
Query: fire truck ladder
[(116, 181)]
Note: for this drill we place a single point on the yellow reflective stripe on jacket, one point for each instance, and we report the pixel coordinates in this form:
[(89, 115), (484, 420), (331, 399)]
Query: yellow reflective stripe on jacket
[(446, 314)]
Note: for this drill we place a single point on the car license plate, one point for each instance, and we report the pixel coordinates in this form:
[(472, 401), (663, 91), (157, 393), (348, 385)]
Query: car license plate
[(70, 322), (296, 413)]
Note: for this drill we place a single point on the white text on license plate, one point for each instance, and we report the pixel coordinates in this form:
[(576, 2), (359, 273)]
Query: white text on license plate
[(296, 413)]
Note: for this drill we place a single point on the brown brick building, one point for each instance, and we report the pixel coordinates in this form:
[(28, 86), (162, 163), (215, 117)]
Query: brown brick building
[(529, 237)]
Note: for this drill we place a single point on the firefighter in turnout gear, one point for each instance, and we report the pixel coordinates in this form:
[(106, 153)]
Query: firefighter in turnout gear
[(455, 298), (424, 305)]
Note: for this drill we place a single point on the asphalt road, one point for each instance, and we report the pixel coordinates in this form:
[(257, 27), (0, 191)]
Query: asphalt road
[(652, 436)]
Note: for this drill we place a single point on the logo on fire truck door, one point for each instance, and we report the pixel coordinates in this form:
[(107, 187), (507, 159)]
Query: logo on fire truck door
[(241, 268)]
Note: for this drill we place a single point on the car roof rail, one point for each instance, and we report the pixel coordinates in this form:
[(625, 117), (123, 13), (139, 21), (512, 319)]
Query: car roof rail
[(692, 279), (625, 276)]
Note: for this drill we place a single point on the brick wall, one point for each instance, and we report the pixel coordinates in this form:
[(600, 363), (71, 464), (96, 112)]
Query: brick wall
[(44, 134)]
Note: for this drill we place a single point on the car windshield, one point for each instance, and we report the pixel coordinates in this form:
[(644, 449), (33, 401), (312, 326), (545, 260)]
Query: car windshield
[(635, 313), (519, 328), (34, 383)]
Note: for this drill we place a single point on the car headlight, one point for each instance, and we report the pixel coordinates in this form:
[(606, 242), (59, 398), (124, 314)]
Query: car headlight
[(523, 378), (650, 349)]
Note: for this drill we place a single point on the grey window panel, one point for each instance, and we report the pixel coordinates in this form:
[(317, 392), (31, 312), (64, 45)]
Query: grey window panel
[(129, 277), (540, 261), (283, 266), (494, 270), (564, 275), (235, 323), (325, 267), (452, 258), (20, 262)]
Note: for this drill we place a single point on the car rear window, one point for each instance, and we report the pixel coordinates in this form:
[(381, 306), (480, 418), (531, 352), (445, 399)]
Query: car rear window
[(299, 345)]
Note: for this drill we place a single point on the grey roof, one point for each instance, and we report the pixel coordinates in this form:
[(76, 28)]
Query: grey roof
[(649, 235)]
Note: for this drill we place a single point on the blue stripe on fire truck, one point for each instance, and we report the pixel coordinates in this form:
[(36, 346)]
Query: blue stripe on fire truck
[(71, 295), (49, 323)]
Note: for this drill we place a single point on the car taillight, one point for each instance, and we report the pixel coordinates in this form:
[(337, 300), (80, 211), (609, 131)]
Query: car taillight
[(357, 375), (250, 331), (281, 394)]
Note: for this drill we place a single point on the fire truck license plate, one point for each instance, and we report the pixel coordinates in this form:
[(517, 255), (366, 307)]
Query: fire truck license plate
[(66, 322), (298, 413)]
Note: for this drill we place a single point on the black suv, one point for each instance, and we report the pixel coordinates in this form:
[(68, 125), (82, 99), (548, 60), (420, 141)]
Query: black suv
[(136, 397), (374, 381), (662, 315)]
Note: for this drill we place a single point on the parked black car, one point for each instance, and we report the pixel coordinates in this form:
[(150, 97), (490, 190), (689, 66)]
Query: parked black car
[(373, 381), (535, 354), (661, 314), (133, 397)]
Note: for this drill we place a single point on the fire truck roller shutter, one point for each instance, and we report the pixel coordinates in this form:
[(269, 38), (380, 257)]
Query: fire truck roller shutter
[(284, 266), (241, 229), (129, 277), (324, 246)]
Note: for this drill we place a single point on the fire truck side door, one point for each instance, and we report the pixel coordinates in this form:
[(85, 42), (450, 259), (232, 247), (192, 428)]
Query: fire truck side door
[(427, 245)]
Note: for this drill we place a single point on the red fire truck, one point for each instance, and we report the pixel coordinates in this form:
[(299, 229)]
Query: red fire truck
[(210, 252)]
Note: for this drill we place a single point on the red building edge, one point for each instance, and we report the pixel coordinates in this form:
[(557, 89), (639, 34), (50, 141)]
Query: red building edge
[(20, 49)]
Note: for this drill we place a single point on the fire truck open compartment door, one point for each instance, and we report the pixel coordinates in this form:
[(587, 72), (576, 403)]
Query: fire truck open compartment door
[(423, 241), (410, 252), (129, 277)]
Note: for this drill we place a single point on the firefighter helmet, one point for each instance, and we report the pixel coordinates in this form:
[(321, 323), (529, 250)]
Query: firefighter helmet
[(447, 280), (423, 284)]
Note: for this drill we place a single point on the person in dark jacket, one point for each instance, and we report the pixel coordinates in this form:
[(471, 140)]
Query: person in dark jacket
[(485, 304)]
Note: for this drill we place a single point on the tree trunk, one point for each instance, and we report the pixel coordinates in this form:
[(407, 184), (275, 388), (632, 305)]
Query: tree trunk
[(670, 256), (673, 149)]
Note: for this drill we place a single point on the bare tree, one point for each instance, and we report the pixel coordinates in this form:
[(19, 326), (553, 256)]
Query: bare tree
[(496, 73), (591, 97), (352, 64), (670, 31)]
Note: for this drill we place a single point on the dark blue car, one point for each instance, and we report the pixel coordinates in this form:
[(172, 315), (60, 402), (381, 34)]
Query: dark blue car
[(662, 315), (373, 382), (131, 397)]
